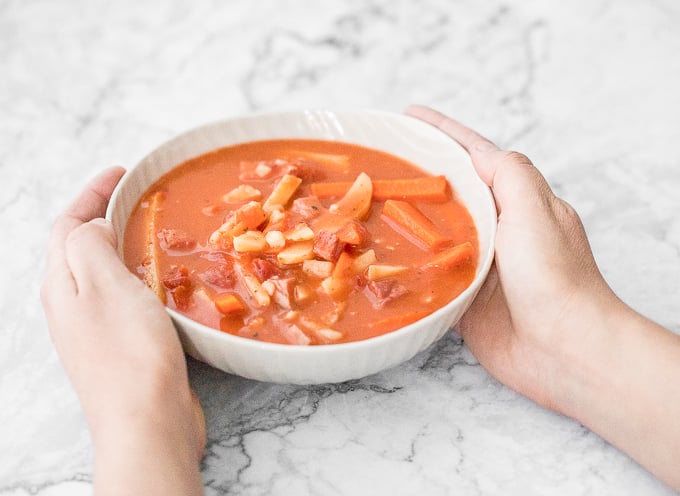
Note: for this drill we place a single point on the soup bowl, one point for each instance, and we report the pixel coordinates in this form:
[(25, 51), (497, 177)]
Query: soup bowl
[(397, 134)]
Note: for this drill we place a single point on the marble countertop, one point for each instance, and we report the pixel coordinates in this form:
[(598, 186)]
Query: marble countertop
[(588, 89)]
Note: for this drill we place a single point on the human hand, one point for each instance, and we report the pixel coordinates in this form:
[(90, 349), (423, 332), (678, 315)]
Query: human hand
[(534, 311), (547, 324), (122, 354)]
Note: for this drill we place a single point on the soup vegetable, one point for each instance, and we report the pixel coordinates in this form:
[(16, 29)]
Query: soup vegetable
[(302, 242)]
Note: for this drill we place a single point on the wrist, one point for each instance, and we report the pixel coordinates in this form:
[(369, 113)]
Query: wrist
[(151, 449), (583, 368)]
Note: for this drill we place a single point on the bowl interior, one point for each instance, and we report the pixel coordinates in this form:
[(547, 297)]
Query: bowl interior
[(400, 135)]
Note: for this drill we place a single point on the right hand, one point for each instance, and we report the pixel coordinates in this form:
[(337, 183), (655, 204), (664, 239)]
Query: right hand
[(532, 314)]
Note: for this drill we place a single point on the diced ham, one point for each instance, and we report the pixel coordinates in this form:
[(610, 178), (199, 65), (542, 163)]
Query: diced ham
[(264, 269), (308, 207), (353, 233), (284, 291), (175, 239), (382, 292), (220, 275), (307, 170), (181, 296), (327, 245), (294, 335), (177, 275), (268, 169)]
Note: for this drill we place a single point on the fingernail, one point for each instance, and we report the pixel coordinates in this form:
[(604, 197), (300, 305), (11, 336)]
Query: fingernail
[(484, 146)]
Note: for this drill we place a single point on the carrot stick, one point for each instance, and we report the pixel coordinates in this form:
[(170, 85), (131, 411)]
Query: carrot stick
[(413, 224), (396, 321), (432, 189), (337, 284), (451, 257), (152, 277), (343, 266)]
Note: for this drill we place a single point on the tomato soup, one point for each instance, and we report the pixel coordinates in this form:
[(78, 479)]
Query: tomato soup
[(302, 242)]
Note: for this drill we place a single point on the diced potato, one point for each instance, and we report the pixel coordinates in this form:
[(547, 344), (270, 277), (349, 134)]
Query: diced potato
[(291, 316), (294, 335), (256, 322), (380, 271), (242, 193), (299, 232), (262, 170), (275, 239), (269, 287), (331, 159), (309, 324), (296, 253), (317, 268), (364, 260), (303, 294), (256, 290), (276, 214), (333, 286), (251, 214), (282, 192), (334, 315), (247, 217), (250, 241), (329, 334), (357, 200)]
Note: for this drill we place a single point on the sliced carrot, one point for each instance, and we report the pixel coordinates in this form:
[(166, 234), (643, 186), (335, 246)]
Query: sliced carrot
[(431, 188), (396, 321), (152, 277), (229, 303), (413, 224), (451, 257)]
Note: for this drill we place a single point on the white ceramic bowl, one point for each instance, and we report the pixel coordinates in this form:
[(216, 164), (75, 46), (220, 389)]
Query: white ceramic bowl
[(398, 134)]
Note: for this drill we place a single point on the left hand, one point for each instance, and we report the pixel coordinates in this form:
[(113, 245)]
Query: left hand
[(116, 342)]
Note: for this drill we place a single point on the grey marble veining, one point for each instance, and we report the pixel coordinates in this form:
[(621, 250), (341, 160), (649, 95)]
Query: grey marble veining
[(588, 89)]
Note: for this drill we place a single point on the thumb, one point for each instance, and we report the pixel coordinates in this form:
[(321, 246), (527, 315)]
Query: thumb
[(513, 179), (92, 257)]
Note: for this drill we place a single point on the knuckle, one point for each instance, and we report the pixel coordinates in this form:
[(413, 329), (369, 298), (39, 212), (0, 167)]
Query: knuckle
[(518, 157)]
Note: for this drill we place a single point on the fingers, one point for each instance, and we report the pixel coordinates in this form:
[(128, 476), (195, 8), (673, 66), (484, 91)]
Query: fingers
[(511, 175), (90, 203), (201, 429), (485, 326), (479, 148), (468, 138), (92, 257)]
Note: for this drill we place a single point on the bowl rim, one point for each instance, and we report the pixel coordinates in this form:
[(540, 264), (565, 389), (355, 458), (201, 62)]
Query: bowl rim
[(470, 291)]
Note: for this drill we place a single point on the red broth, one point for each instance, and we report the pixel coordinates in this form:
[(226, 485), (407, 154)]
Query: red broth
[(310, 263)]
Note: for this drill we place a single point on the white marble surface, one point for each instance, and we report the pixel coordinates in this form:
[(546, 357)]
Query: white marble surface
[(589, 89)]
